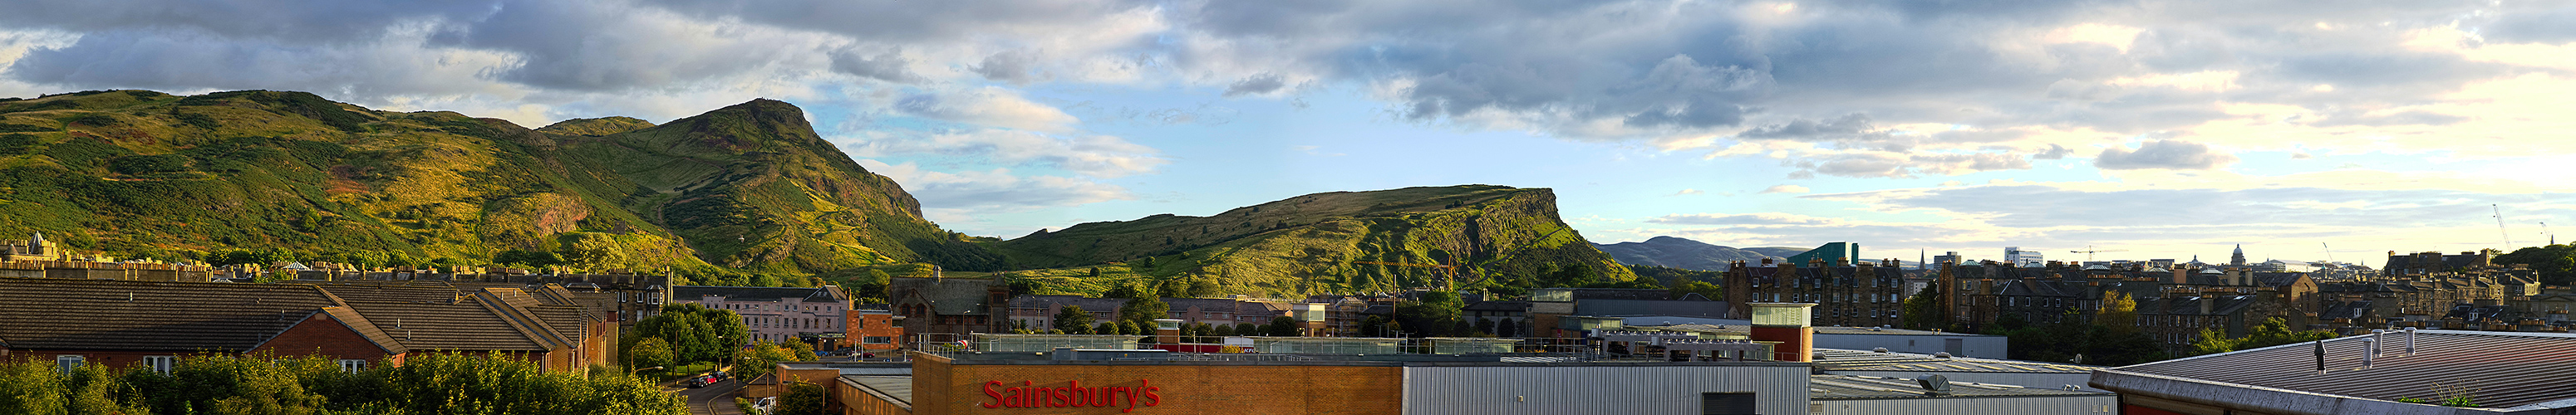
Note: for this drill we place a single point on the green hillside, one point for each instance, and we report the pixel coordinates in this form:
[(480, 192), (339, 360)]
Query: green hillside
[(146, 174), (1505, 238)]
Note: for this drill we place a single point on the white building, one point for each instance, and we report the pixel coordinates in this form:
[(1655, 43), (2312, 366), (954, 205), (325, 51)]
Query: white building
[(2018, 257), (775, 314)]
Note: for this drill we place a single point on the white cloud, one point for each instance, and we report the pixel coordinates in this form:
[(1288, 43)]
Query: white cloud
[(1786, 188), (1098, 156), (996, 190), (1686, 192), (988, 106)]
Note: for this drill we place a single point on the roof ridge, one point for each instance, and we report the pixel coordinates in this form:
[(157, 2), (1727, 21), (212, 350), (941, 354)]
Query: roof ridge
[(519, 319)]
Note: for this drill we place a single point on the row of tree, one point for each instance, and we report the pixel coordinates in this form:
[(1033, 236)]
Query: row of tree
[(424, 384)]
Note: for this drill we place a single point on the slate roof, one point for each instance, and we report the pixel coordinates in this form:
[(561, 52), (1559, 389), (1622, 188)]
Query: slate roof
[(464, 325), (1834, 387), (40, 313), (767, 294), (2508, 369), (947, 296), (359, 323), (399, 291), (1089, 305)]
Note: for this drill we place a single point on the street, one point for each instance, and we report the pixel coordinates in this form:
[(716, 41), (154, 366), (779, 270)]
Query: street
[(716, 399)]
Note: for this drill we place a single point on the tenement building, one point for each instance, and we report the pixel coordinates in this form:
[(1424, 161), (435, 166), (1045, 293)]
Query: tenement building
[(1863, 295), (776, 314)]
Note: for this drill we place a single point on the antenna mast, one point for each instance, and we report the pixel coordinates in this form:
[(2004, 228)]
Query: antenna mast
[(2544, 230), (2499, 216)]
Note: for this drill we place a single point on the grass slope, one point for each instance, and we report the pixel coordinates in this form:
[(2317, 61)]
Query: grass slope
[(1311, 244), (141, 173)]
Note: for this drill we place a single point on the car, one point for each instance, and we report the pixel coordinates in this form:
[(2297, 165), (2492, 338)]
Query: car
[(698, 382)]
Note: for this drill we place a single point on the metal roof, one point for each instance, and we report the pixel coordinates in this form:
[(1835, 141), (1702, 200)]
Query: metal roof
[(1828, 387), (1747, 328), (1856, 360), (2505, 369)]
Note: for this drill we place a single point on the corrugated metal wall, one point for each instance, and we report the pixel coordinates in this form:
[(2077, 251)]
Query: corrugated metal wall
[(2090, 404), (1608, 389)]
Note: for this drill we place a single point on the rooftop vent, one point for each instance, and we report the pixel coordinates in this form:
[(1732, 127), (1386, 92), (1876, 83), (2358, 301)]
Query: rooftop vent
[(1934, 385)]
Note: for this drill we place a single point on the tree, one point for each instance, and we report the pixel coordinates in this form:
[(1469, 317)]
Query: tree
[(1072, 320), (1435, 314), (696, 333), (531, 259), (1485, 326), (1106, 328), (1281, 326), (761, 358), (1374, 326), (2119, 313), (1130, 327), (1506, 328), (2555, 263), (592, 250), (649, 352), (1247, 329), (2212, 341), (801, 399), (1923, 310), (1221, 330)]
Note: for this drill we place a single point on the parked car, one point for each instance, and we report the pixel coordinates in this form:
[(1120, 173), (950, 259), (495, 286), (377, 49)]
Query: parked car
[(765, 405), (699, 382)]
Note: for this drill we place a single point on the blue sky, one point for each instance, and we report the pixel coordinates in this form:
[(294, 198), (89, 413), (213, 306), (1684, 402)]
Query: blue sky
[(2166, 128)]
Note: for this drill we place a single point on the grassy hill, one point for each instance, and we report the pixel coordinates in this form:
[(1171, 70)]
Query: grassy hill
[(1505, 238), (146, 174)]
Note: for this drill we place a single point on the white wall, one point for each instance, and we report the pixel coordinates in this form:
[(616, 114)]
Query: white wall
[(1991, 347)]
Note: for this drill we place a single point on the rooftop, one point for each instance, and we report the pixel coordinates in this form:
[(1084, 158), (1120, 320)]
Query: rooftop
[(2504, 369), (1857, 360), (1830, 387)]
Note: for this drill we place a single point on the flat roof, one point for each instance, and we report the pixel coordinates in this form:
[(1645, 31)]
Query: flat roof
[(1858, 360), (895, 389), (1833, 387), (2503, 369), (1748, 328)]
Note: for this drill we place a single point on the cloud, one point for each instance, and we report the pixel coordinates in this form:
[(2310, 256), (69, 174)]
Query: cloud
[(2553, 26), (1742, 219), (2163, 154), (1786, 188), (1686, 192), (1256, 84), (2055, 152), (988, 107), (996, 190), (1098, 156), (888, 65), (1848, 127)]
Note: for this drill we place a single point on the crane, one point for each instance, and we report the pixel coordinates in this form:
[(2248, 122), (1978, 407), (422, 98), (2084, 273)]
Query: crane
[(2329, 251), (2500, 231), (2089, 251)]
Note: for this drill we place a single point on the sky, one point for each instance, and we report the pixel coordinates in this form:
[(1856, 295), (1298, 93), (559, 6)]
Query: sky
[(2155, 129)]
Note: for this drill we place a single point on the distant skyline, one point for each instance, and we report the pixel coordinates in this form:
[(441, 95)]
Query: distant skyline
[(2166, 128)]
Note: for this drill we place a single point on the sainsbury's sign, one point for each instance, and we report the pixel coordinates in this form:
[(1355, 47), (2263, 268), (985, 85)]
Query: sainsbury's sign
[(1029, 395)]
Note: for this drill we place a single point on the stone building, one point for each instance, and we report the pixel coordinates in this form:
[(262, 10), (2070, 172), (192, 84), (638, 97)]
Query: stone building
[(950, 307), (777, 314), (1863, 295)]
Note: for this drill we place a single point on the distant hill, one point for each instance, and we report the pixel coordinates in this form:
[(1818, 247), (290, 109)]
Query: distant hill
[(1313, 243), (1779, 251), (1673, 252)]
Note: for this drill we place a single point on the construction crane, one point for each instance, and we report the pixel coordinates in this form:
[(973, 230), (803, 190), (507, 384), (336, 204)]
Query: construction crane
[(2500, 231), (2329, 251), (2089, 251)]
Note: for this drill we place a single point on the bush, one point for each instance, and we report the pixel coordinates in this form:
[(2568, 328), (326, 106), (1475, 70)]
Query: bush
[(426, 384)]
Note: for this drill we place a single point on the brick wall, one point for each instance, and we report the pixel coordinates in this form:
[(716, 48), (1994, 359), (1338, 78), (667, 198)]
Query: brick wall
[(319, 334), (942, 387)]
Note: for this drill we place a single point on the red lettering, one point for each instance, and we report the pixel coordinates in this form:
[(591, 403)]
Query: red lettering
[(1055, 397), (1151, 399), (1131, 398), (1100, 397), (997, 396), (1029, 396)]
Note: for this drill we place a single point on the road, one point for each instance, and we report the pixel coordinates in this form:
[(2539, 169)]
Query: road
[(716, 399)]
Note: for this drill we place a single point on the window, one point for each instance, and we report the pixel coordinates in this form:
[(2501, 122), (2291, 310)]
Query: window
[(876, 340), (1726, 403), (352, 365), (68, 362), (158, 364)]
